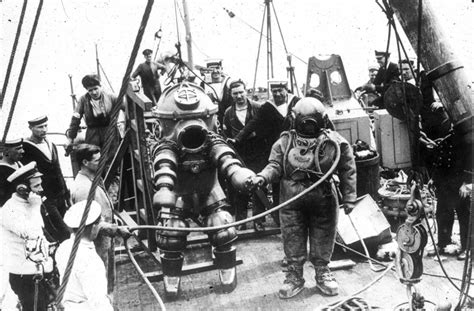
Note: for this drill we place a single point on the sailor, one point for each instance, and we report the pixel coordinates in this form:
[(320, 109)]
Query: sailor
[(10, 161), (87, 285), (95, 106), (25, 249), (88, 157), (387, 73), (250, 150), (149, 73), (38, 148), (218, 88), (298, 159)]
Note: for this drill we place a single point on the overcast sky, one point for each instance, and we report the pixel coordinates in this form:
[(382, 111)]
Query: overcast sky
[(69, 29)]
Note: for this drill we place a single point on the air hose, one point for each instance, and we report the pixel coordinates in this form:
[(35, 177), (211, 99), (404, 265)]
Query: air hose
[(263, 214)]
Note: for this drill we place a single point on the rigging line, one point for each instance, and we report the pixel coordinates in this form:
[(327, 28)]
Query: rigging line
[(22, 71), (111, 130), (439, 259), (418, 45), (279, 28), (106, 78), (64, 9), (258, 52), (12, 55), (261, 33)]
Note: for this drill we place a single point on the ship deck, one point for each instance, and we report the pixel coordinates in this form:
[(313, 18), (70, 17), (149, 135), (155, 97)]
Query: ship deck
[(260, 276)]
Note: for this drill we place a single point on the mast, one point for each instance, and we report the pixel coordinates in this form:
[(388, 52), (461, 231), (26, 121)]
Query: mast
[(439, 61), (187, 25)]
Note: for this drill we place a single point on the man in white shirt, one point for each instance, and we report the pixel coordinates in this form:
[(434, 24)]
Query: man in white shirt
[(87, 285), (25, 249)]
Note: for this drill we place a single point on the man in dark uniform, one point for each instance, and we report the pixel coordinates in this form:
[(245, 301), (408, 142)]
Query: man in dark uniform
[(251, 149), (9, 163), (272, 118), (45, 154), (298, 159), (150, 77), (388, 72)]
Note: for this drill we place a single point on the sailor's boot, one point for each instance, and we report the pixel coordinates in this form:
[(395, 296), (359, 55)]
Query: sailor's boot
[(325, 281), (293, 284), (225, 261), (172, 263)]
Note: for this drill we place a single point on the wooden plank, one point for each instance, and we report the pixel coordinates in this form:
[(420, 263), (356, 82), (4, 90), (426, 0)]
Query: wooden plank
[(138, 98), (157, 276)]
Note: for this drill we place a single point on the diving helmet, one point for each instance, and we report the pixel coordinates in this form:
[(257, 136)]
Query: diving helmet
[(309, 117)]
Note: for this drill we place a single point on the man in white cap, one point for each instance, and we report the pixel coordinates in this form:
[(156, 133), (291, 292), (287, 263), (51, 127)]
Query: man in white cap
[(218, 88), (22, 229), (88, 157), (87, 285)]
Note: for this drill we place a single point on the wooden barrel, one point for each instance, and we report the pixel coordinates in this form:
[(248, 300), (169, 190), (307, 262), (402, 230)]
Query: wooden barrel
[(368, 177)]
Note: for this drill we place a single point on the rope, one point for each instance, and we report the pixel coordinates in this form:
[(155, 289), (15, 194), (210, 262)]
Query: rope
[(106, 78), (12, 55), (107, 147), (334, 305), (258, 52), (263, 214), (143, 276), (22, 71), (467, 270), (418, 45)]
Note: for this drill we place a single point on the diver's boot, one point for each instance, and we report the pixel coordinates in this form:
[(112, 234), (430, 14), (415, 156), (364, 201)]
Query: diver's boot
[(293, 284), (172, 275), (325, 281), (225, 262)]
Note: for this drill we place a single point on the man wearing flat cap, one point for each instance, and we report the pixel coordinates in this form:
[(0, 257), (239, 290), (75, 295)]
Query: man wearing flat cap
[(149, 73), (12, 154), (95, 107), (387, 74), (87, 286), (25, 246)]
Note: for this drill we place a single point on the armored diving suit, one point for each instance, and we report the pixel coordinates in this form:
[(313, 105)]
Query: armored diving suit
[(298, 159), (186, 159)]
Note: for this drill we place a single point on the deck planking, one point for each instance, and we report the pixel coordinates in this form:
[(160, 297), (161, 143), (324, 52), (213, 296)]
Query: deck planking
[(260, 277)]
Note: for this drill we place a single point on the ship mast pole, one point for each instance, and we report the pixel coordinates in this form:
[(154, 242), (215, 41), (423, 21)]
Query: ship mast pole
[(187, 25), (269, 41), (439, 60)]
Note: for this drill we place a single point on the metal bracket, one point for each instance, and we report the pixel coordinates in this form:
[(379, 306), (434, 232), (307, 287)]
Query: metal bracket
[(444, 69)]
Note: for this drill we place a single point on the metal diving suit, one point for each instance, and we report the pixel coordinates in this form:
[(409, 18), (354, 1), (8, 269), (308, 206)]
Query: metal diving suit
[(186, 159)]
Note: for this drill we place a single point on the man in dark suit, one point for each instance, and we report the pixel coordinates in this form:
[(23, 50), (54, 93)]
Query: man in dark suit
[(388, 72), (251, 149)]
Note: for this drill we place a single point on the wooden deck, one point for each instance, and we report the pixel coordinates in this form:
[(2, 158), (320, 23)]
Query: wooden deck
[(260, 276)]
